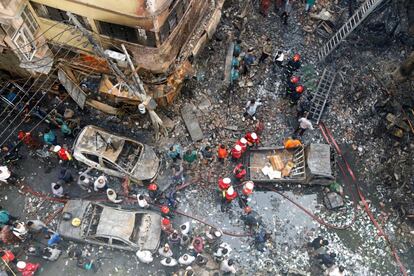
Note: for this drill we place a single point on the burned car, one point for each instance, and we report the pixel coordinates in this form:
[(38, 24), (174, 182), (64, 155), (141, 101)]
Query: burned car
[(116, 155), (108, 226)]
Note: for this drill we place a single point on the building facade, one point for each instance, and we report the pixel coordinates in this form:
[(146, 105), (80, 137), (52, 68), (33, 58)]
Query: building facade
[(160, 36)]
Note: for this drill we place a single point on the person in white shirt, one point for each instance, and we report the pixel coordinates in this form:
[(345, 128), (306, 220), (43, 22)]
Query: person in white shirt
[(335, 271), (85, 180), (36, 225), (142, 202), (57, 190), (165, 251), (169, 262), (112, 196), (4, 174), (304, 124), (20, 230), (186, 259), (227, 266), (100, 183), (251, 108), (185, 228), (51, 254), (144, 256)]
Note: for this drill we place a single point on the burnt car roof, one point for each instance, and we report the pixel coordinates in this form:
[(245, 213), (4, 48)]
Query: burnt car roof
[(116, 223), (98, 141)]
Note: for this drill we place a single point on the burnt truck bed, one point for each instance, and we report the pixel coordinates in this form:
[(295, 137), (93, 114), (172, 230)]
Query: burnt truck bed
[(312, 164)]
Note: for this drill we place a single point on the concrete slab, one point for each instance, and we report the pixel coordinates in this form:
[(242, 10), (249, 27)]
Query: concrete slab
[(191, 122)]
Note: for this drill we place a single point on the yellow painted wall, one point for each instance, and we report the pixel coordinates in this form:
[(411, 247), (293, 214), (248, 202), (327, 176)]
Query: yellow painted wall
[(123, 12), (59, 36)]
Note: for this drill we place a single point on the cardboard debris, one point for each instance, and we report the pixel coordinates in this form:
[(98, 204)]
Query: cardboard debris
[(286, 170), (276, 162)]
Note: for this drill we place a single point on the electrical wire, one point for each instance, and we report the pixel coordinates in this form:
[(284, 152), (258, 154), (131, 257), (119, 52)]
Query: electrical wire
[(48, 77), (27, 91)]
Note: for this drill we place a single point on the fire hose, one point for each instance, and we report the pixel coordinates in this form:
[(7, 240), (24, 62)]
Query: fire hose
[(331, 141)]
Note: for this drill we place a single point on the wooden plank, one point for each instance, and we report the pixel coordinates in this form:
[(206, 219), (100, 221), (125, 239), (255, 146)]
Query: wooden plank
[(191, 122)]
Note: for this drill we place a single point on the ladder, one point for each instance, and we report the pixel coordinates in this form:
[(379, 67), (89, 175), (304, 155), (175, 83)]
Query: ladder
[(348, 27), (320, 96)]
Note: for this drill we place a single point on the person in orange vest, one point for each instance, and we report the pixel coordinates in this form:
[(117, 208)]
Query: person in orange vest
[(242, 142), (239, 171), (252, 139), (222, 153), (292, 143), (165, 211), (224, 184), (236, 152)]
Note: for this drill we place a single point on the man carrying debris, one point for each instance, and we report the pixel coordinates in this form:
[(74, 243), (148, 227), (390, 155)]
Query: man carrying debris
[(251, 108), (304, 124)]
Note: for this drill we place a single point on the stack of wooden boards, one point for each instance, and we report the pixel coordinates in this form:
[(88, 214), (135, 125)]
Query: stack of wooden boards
[(281, 164)]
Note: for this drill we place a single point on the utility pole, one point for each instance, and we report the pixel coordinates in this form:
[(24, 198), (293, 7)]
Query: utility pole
[(137, 86)]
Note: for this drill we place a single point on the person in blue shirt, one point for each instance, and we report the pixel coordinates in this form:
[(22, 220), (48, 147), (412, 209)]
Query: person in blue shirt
[(175, 152), (50, 137)]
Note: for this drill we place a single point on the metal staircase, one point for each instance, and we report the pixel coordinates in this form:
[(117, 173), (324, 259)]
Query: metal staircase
[(348, 27), (320, 96)]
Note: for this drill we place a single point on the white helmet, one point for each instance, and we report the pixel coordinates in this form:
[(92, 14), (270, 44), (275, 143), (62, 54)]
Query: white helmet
[(21, 265), (254, 135), (237, 147), (227, 180), (243, 140)]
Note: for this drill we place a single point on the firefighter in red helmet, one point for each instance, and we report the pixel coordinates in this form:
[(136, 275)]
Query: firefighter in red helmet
[(295, 96)]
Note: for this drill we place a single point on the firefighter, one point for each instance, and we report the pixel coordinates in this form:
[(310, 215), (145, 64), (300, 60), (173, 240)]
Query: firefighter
[(293, 65), (165, 212), (242, 142), (247, 190), (291, 85), (236, 152), (166, 226), (230, 194), (224, 184), (295, 96), (153, 191), (252, 139), (248, 187), (239, 171)]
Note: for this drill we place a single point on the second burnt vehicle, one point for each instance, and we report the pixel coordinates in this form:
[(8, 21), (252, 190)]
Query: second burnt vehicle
[(116, 155)]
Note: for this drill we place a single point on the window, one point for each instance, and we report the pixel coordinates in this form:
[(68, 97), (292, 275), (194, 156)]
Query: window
[(29, 19), (9, 29), (102, 239), (119, 31), (58, 15), (118, 242), (23, 40), (109, 165), (129, 34), (92, 157)]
